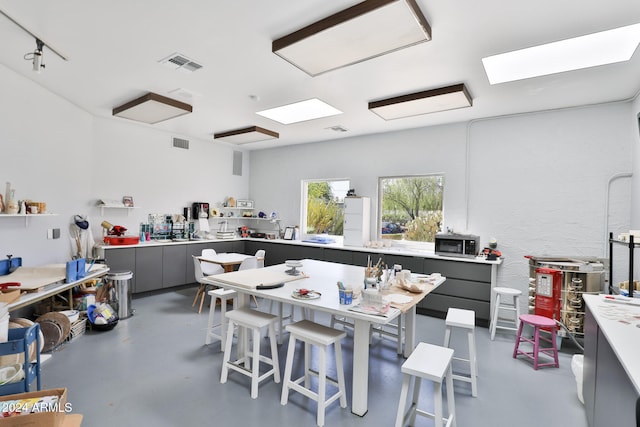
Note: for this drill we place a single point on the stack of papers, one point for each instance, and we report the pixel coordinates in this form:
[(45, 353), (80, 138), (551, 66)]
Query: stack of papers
[(225, 234), (376, 310)]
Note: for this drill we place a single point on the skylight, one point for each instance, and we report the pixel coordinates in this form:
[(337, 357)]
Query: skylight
[(606, 47), (300, 111)]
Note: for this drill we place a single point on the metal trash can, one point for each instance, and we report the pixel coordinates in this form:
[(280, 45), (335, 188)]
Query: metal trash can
[(119, 286)]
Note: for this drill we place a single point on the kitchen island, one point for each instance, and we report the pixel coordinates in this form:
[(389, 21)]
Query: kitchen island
[(611, 372), (158, 265)]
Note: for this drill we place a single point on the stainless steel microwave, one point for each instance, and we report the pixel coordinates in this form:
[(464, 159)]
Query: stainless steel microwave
[(459, 245)]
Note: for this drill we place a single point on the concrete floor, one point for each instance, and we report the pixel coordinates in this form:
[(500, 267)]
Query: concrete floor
[(154, 369)]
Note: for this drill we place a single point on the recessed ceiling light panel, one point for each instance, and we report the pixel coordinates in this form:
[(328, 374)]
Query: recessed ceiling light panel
[(152, 108), (366, 30), (428, 101), (606, 47), (300, 111), (247, 135)]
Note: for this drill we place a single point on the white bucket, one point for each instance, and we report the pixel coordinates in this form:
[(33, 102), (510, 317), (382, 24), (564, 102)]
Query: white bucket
[(577, 367), (4, 328)]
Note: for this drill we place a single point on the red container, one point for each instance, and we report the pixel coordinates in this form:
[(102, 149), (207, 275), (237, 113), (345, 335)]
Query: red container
[(121, 240)]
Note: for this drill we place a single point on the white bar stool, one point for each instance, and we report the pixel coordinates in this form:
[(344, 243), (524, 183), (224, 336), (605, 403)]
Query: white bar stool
[(224, 295), (510, 306), (322, 337), (464, 319), (433, 363), (255, 321)]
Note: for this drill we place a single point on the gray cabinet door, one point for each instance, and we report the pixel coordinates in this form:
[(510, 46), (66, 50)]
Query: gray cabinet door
[(148, 271), (122, 260), (174, 266)]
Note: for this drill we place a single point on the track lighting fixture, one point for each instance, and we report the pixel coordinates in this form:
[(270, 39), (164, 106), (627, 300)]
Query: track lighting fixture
[(36, 56)]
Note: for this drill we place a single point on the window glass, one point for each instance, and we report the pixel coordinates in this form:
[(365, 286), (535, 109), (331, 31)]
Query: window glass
[(411, 207), (323, 210)]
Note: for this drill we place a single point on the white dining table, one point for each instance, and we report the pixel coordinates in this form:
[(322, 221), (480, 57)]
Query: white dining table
[(322, 277)]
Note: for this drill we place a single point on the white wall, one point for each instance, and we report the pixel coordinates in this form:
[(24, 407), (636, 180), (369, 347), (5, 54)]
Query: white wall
[(52, 151), (45, 152), (537, 182), (139, 161)]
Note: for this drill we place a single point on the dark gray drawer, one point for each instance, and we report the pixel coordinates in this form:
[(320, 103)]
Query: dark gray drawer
[(464, 289), (434, 304), (458, 269)]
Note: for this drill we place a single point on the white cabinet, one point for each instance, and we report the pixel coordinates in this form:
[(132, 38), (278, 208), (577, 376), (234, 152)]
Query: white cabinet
[(357, 218)]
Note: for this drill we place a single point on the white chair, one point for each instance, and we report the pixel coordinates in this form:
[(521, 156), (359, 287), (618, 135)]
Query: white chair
[(466, 321), (433, 363), (511, 304), (260, 255), (249, 363), (202, 288), (322, 337), (248, 263), (224, 295), (210, 268)]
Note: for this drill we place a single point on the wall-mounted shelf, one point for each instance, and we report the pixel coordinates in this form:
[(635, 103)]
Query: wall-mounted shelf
[(27, 216), (128, 208)]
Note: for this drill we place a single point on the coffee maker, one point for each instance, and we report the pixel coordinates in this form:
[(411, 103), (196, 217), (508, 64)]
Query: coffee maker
[(200, 210)]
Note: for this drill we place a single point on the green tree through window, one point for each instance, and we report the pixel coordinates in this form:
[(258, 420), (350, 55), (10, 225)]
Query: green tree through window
[(411, 207), (324, 207)]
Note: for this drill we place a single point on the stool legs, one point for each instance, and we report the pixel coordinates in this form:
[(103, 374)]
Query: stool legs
[(223, 322), (438, 416), (537, 349), (473, 360), (494, 319), (321, 395)]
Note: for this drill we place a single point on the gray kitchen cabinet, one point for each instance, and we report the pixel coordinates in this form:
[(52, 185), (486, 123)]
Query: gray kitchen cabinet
[(338, 255), (174, 266), (468, 286), (148, 270), (122, 260)]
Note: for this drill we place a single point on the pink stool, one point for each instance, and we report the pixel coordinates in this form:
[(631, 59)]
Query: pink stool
[(538, 322)]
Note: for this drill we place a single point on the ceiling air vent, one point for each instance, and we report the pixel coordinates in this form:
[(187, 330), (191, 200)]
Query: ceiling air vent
[(178, 61), (181, 143)]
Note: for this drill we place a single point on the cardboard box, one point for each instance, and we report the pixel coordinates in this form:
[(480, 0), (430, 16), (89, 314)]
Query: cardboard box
[(41, 419), (9, 296)]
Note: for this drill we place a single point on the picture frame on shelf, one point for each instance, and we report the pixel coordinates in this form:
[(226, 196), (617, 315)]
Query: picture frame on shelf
[(288, 233), (127, 201), (244, 204)]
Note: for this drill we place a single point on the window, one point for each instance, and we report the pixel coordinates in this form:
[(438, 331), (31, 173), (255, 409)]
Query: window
[(323, 210), (411, 207)]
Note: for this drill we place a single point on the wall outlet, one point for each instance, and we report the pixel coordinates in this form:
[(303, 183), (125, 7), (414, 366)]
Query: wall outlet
[(56, 233), (50, 233)]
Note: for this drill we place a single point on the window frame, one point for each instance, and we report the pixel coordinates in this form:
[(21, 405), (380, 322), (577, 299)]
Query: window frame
[(304, 204), (419, 245)]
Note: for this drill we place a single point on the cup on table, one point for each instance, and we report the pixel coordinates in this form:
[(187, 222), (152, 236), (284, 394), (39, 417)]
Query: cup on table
[(406, 275), (346, 296)]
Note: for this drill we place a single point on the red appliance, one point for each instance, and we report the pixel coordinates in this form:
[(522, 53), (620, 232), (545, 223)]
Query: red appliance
[(548, 292)]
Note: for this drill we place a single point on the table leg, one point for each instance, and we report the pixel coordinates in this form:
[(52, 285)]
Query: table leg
[(410, 331), (360, 367)]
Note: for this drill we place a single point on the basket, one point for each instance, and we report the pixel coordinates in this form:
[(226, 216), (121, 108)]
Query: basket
[(78, 328)]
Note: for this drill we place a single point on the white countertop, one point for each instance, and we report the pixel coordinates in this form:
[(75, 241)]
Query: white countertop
[(620, 324), (391, 251)]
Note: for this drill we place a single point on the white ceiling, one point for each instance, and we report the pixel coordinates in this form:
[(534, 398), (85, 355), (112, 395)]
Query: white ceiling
[(114, 48)]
